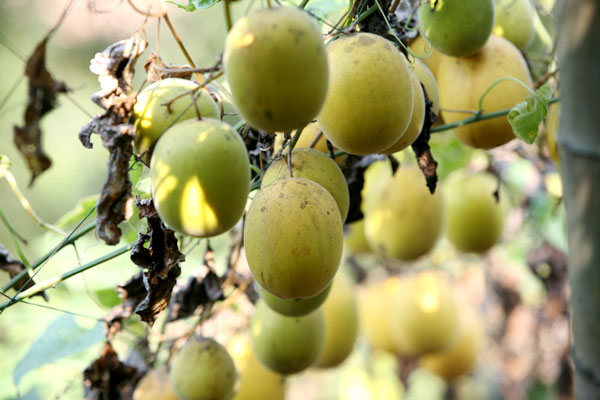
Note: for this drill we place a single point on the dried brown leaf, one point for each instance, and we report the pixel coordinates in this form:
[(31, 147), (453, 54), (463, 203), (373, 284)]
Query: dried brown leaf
[(425, 159), (108, 378), (157, 70), (42, 93)]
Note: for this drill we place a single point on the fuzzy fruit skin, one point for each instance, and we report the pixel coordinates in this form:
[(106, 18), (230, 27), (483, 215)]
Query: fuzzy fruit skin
[(276, 65), (152, 118), (294, 307), (461, 357), (287, 344), (155, 385), (514, 21), (474, 219), (369, 102), (424, 314), (457, 28), (316, 166), (416, 121), (293, 238), (462, 81), (203, 370), (403, 220), (200, 177), (420, 47), (341, 323), (256, 381)]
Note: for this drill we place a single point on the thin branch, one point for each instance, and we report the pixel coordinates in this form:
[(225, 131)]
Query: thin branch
[(181, 46)]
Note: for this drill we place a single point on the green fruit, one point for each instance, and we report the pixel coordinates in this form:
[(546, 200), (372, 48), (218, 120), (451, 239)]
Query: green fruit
[(287, 344), (316, 166), (370, 97), (153, 117), (200, 177), (428, 80), (293, 238), (256, 381), (375, 178), (462, 81), (416, 121), (423, 315), (341, 323), (457, 28), (474, 219), (155, 385), (354, 238), (294, 307), (307, 137), (404, 220), (276, 66), (203, 370), (514, 21)]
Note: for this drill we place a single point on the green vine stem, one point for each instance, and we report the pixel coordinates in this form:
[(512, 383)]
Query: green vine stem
[(39, 287), (49, 254), (497, 81), (13, 237)]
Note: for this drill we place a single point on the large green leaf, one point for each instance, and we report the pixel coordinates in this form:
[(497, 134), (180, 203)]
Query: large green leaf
[(61, 338), (526, 117), (194, 5), (81, 209)]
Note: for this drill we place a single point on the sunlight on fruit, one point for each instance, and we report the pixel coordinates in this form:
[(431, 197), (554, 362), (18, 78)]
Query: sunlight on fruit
[(193, 217)]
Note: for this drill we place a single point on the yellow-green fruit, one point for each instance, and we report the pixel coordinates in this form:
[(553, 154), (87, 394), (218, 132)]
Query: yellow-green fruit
[(552, 124), (341, 323), (316, 166), (200, 177), (155, 385), (457, 28), (306, 139), (514, 21), (256, 381), (429, 55), (428, 80), (355, 239), (287, 344), (293, 238), (474, 219), (376, 176), (276, 65), (153, 117), (203, 370), (405, 220), (461, 357), (294, 307), (369, 102), (416, 121), (462, 81), (423, 315), (375, 320)]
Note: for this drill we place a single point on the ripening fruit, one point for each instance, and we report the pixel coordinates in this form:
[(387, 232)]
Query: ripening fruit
[(552, 124), (256, 381), (354, 238), (341, 323), (203, 370), (428, 80), (293, 238), (316, 166), (276, 65), (462, 81), (287, 344), (153, 117), (370, 97), (514, 21), (200, 177), (461, 357), (474, 219), (423, 315), (457, 28), (375, 176), (416, 121), (307, 137), (294, 307), (404, 220), (155, 385), (429, 55)]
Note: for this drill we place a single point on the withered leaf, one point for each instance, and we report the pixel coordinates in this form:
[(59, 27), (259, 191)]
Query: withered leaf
[(354, 170), (42, 93), (107, 378), (156, 69), (114, 67), (14, 267), (197, 292), (131, 293), (420, 147)]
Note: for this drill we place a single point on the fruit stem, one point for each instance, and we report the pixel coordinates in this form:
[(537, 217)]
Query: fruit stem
[(181, 46), (228, 14), (303, 4)]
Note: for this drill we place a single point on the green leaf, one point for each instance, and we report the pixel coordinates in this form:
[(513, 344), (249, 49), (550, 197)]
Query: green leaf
[(81, 209), (61, 338), (526, 117), (107, 297), (194, 5)]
